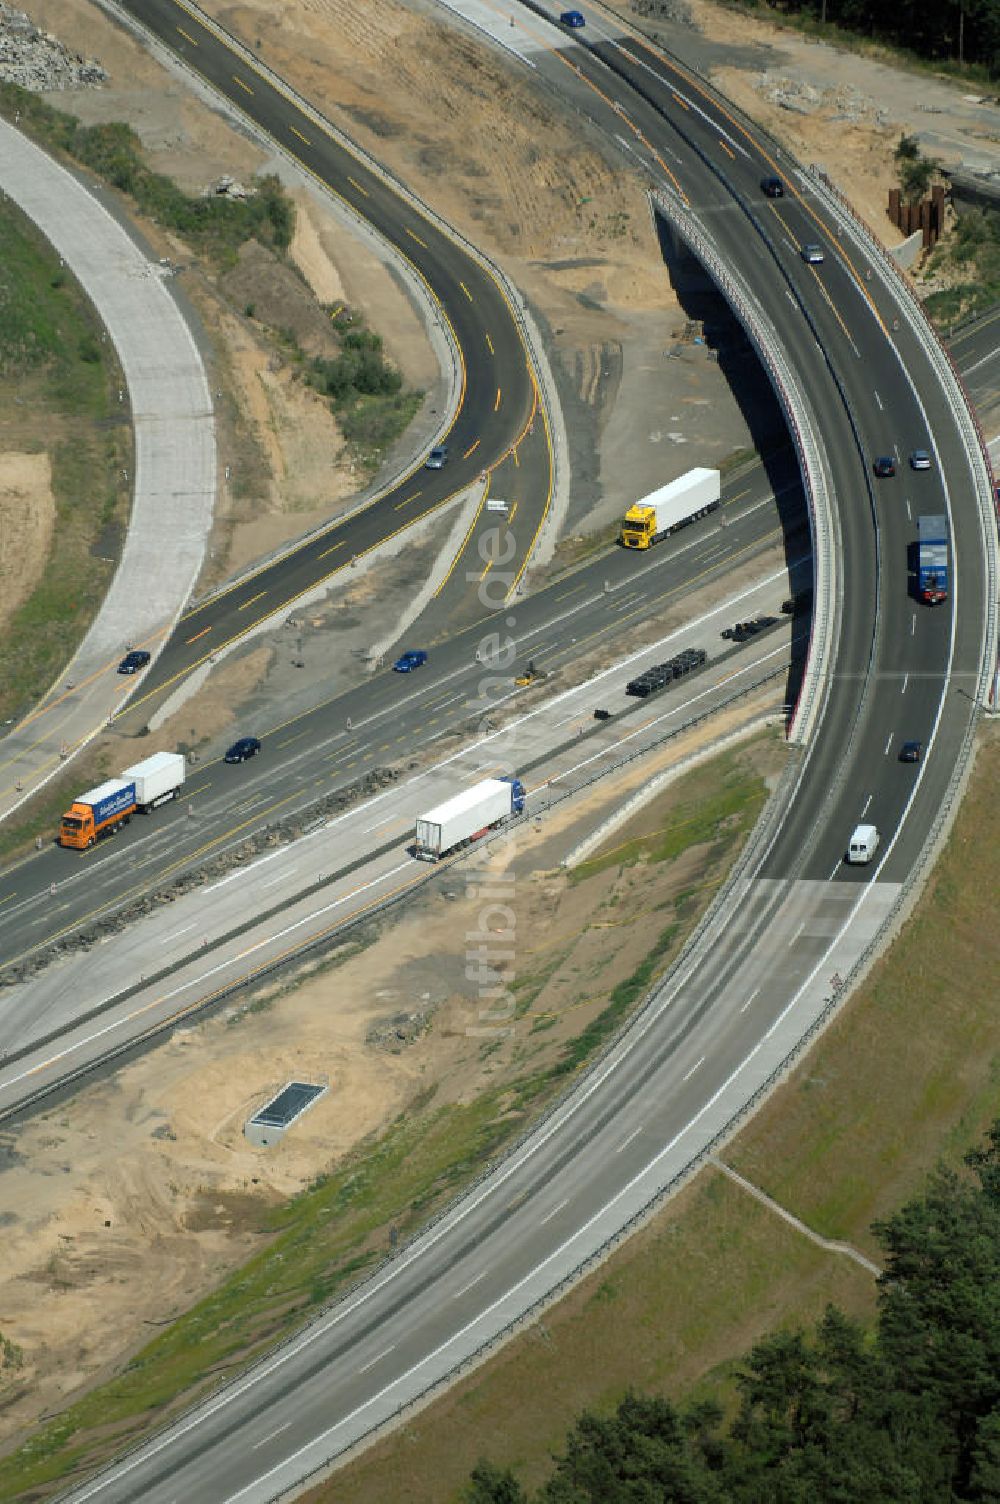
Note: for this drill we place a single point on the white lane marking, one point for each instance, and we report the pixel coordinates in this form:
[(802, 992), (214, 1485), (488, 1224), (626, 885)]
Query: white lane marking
[(695, 1067), (270, 1436), (906, 680), (797, 934), (204, 976), (888, 745), (908, 511), (176, 934), (626, 1141), (750, 1000), (913, 625), (549, 1215), (878, 399), (430, 1239), (280, 878), (379, 823), (867, 802), (378, 1359), (459, 1293)]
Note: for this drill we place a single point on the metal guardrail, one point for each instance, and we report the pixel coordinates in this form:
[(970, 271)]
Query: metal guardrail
[(960, 402), (538, 365)]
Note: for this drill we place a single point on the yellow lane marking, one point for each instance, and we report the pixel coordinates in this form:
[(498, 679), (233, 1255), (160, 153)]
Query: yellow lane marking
[(489, 343), (258, 597), (332, 550), (187, 36), (406, 501), (355, 184), (414, 236), (296, 132), (242, 85), (471, 449), (203, 633), (467, 294), (496, 405)]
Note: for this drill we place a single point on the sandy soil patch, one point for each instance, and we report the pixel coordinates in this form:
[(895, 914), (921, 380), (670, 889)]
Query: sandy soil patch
[(27, 517), (98, 1248)]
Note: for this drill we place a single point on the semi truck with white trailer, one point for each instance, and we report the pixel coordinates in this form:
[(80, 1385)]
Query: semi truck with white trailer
[(665, 510), (467, 816), (103, 810)]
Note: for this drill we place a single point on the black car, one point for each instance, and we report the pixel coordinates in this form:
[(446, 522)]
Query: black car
[(134, 661), (885, 466), (911, 751), (772, 187), (246, 746)]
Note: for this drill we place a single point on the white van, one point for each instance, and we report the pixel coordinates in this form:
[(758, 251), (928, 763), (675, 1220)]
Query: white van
[(495, 504), (863, 844)]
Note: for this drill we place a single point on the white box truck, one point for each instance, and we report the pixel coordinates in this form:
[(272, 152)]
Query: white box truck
[(467, 816), (157, 779), (663, 511)]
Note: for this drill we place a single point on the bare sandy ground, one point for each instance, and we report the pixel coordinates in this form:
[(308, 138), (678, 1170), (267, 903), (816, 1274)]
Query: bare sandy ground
[(100, 1247), (27, 517)]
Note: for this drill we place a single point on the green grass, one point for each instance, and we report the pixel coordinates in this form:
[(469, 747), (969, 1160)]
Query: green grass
[(58, 394), (722, 818), (214, 226), (326, 1235), (909, 1074)]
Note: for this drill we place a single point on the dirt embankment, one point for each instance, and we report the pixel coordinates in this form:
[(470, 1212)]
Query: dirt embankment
[(100, 1247)]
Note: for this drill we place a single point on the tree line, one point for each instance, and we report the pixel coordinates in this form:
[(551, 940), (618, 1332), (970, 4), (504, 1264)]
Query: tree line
[(908, 1411), (966, 32)]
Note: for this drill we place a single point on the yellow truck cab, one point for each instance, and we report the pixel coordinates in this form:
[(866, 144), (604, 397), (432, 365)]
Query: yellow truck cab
[(692, 495)]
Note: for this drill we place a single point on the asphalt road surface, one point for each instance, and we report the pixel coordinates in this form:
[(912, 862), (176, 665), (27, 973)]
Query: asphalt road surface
[(705, 1044)]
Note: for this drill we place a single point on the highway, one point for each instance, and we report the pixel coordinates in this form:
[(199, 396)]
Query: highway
[(497, 398), (720, 1026), (392, 719)]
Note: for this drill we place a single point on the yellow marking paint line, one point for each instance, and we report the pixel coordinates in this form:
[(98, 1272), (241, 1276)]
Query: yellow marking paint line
[(304, 139), (414, 236), (467, 294), (406, 501), (203, 633), (355, 184), (7, 899), (728, 150), (496, 405), (471, 449), (512, 513), (242, 85), (187, 36), (258, 597), (332, 550), (486, 571), (289, 739), (489, 345)]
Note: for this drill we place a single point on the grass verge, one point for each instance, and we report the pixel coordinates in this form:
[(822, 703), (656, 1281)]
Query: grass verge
[(907, 1075), (58, 381), (324, 1237)]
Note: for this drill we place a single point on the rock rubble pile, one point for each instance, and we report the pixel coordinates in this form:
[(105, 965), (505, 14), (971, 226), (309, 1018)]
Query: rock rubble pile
[(38, 61)]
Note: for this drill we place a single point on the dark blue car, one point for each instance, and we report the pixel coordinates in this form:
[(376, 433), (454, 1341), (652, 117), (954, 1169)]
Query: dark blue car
[(572, 18), (415, 658)]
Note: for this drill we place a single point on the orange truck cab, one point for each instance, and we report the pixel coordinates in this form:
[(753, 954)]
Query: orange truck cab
[(98, 812)]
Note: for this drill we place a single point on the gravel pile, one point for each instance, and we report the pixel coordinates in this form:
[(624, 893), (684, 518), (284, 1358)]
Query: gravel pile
[(38, 61)]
